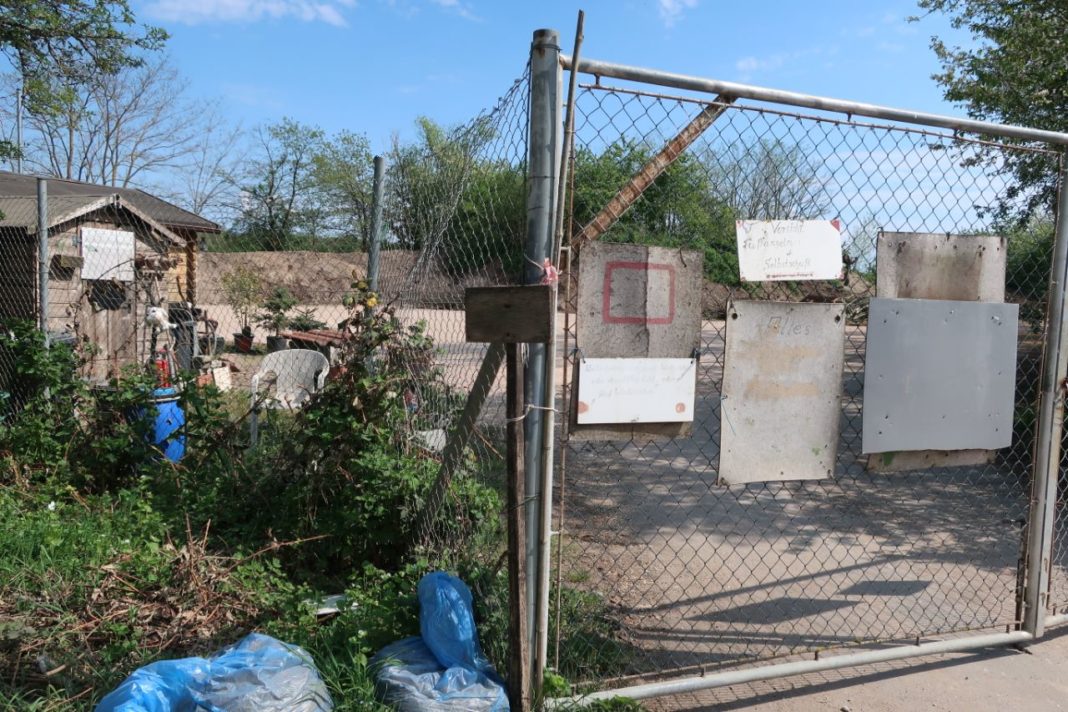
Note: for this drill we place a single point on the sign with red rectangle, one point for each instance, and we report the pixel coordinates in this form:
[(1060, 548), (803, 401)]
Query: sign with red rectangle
[(638, 301)]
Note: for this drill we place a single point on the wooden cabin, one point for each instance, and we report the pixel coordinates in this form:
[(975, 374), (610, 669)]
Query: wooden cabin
[(112, 254)]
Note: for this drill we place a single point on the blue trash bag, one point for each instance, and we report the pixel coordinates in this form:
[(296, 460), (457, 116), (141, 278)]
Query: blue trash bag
[(258, 673), (410, 679), (444, 668), (447, 623)]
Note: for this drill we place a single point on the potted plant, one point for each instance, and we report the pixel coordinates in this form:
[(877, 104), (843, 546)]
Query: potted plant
[(275, 317), (305, 321), (243, 290)]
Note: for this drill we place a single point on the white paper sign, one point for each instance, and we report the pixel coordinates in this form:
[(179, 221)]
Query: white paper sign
[(107, 254), (779, 250), (636, 390)]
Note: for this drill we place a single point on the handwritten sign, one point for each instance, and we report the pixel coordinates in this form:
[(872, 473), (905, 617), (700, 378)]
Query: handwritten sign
[(778, 250), (636, 390)]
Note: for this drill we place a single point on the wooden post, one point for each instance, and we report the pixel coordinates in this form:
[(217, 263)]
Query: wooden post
[(519, 688)]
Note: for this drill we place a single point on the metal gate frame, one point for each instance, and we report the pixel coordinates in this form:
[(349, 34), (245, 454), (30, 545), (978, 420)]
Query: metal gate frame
[(546, 116)]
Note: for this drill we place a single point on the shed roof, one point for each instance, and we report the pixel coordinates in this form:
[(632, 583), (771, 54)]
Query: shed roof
[(22, 213), (15, 186)]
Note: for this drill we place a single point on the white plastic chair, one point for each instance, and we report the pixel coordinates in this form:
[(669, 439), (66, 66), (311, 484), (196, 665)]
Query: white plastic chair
[(298, 374)]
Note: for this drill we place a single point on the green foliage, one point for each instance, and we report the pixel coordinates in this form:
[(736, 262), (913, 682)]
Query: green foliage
[(275, 314), (678, 210), (1013, 72), (243, 290), (55, 43), (305, 321), (1028, 260)]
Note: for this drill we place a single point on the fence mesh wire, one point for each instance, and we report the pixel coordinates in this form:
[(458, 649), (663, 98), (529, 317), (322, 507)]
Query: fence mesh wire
[(691, 575)]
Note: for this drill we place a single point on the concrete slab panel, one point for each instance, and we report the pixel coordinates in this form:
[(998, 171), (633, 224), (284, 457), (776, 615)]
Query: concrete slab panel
[(939, 375), (638, 301), (782, 382), (966, 268)]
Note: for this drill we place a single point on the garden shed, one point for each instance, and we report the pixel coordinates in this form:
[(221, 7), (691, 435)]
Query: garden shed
[(112, 254)]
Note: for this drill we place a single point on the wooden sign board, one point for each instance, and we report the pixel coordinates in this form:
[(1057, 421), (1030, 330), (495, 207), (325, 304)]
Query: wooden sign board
[(509, 315), (782, 384), (636, 390), (781, 250)]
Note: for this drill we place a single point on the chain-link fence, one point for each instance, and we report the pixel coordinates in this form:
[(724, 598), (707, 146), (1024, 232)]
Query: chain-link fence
[(694, 576)]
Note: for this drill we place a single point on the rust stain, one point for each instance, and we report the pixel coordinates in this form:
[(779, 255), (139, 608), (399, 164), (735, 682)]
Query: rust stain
[(680, 407), (583, 407)]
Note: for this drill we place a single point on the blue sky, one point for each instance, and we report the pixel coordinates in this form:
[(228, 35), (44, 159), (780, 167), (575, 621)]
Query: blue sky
[(373, 66)]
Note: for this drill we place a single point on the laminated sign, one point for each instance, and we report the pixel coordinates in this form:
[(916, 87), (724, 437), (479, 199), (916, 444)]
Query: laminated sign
[(781, 250)]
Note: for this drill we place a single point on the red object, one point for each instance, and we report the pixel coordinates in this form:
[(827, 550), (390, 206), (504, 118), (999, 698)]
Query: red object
[(163, 370)]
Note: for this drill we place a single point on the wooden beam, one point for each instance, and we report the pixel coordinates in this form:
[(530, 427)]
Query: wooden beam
[(452, 455), (519, 688), (652, 170), (509, 314)]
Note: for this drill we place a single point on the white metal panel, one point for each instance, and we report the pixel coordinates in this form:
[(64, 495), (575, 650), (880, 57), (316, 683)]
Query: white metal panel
[(636, 390), (107, 254), (776, 250), (782, 384)]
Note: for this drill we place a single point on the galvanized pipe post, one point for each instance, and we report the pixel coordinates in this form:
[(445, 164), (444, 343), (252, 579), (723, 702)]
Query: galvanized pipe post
[(374, 249), (542, 189), (42, 254), (1050, 422)]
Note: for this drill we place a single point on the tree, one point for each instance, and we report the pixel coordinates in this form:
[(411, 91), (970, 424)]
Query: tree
[(119, 128), (344, 176), (277, 190), (1016, 73), (72, 40)]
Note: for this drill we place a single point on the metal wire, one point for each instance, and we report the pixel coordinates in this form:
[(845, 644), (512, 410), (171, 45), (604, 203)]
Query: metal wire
[(694, 575)]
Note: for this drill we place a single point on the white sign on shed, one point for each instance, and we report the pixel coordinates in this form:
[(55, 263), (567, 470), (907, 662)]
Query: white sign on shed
[(780, 250), (636, 390), (107, 254)]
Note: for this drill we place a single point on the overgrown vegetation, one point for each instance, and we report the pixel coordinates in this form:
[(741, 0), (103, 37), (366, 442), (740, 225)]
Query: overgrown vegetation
[(111, 556)]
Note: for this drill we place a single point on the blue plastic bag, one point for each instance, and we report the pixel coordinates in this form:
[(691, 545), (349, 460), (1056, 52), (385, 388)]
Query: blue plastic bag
[(444, 669), (258, 673), (410, 679)]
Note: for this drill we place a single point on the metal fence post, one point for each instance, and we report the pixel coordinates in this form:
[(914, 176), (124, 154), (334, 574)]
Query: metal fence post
[(542, 188), (42, 254), (374, 249), (1050, 421)]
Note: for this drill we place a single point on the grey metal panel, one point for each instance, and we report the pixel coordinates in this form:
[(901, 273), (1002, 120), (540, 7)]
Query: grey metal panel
[(914, 265), (782, 380), (939, 375)]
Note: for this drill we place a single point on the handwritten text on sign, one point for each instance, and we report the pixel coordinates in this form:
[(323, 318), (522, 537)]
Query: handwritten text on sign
[(636, 390), (775, 250)]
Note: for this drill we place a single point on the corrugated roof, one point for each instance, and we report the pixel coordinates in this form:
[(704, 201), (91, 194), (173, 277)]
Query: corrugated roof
[(14, 186)]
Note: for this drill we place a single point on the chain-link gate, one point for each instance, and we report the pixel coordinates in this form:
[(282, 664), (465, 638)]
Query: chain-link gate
[(690, 577)]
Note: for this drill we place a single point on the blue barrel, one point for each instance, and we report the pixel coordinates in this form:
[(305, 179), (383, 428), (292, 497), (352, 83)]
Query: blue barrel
[(170, 419)]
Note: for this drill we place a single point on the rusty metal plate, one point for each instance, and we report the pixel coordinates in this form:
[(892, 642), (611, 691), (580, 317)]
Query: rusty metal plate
[(637, 301), (939, 375), (782, 380)]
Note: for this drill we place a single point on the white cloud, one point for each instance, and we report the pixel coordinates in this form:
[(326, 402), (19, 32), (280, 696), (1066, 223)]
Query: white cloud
[(194, 12), (457, 7), (671, 10)]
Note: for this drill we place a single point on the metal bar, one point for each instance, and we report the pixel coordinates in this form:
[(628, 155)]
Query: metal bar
[(544, 147), (374, 249), (747, 91), (42, 254), (772, 672), (519, 687), (640, 181), (18, 128), (1050, 422), (452, 455), (1059, 619), (569, 141)]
